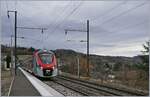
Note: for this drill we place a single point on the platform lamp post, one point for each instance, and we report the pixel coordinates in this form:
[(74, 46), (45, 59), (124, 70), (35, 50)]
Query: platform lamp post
[(66, 31), (15, 50)]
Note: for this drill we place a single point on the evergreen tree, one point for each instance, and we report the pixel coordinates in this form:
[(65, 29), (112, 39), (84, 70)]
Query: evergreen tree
[(145, 59)]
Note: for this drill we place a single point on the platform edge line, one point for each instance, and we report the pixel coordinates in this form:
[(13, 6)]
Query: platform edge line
[(11, 86)]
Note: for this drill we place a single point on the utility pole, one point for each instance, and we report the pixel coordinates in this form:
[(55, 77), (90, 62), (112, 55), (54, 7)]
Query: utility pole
[(15, 42), (149, 52), (58, 62), (78, 62), (88, 67), (66, 30), (15, 50), (12, 65)]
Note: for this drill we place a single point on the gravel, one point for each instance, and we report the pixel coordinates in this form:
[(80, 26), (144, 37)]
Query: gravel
[(63, 90)]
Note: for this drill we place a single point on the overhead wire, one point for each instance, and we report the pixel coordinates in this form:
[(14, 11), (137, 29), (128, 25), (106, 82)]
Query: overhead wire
[(60, 14), (15, 8), (109, 11), (58, 25), (104, 22), (130, 26), (62, 11), (127, 27), (32, 28), (21, 8), (15, 1), (123, 13)]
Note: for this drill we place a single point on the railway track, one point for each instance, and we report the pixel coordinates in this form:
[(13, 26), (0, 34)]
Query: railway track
[(85, 91), (87, 88), (62, 89), (92, 89)]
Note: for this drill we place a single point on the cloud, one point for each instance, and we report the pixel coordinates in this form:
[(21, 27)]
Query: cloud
[(111, 32)]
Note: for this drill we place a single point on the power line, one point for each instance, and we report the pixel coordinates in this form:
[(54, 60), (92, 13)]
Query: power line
[(60, 15), (123, 13), (126, 28), (109, 11), (55, 11), (63, 10), (67, 16), (15, 4), (129, 26), (20, 7)]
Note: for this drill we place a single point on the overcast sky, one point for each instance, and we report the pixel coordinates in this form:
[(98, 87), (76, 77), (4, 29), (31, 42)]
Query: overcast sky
[(117, 28)]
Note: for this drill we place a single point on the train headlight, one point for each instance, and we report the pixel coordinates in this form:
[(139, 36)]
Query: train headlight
[(41, 68), (53, 67)]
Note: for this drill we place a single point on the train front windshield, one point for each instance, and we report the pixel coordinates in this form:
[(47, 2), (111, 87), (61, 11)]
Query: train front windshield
[(46, 58)]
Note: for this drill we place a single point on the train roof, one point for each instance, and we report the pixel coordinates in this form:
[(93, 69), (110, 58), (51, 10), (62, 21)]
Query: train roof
[(42, 51)]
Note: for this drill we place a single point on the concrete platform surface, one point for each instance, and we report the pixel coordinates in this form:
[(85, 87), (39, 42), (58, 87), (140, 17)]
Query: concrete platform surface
[(22, 87), (25, 84), (42, 88)]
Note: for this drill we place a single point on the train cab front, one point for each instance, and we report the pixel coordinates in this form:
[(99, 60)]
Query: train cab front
[(47, 65)]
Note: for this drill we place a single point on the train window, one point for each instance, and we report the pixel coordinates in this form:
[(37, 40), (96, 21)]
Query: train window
[(46, 58)]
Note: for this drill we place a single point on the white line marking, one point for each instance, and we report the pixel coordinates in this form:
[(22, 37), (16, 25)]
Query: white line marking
[(10, 86), (41, 87)]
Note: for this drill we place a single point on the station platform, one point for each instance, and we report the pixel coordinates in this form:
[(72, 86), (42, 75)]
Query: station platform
[(25, 84), (22, 87)]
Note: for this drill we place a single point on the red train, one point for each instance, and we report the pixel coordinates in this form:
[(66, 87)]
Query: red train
[(43, 64)]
